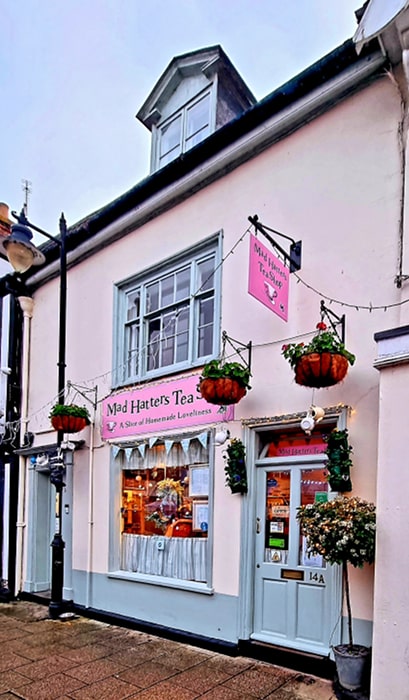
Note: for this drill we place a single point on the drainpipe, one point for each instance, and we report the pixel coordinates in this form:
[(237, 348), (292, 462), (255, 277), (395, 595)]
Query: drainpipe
[(90, 513), (27, 306)]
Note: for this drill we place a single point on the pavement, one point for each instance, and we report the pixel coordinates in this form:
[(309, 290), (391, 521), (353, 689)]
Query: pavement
[(84, 659)]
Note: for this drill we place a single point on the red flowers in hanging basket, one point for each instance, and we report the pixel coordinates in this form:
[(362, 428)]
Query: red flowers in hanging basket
[(69, 418), (224, 384), (323, 362)]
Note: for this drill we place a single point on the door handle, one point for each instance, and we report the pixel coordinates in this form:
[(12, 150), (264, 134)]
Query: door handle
[(258, 526)]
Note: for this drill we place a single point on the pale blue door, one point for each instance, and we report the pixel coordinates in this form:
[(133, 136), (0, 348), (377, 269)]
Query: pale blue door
[(297, 598)]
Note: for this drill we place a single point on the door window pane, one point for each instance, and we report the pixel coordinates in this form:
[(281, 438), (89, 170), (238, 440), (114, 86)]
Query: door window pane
[(277, 517), (314, 487)]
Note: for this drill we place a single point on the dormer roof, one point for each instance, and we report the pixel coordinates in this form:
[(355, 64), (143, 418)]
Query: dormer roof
[(206, 62)]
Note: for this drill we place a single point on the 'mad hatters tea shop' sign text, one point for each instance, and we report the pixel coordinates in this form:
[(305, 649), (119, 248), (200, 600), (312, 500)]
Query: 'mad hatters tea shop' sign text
[(167, 406)]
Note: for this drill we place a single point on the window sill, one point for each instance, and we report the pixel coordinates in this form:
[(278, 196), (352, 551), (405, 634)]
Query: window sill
[(180, 584)]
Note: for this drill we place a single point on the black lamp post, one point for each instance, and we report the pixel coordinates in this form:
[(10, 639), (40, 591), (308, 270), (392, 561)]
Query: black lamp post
[(22, 255)]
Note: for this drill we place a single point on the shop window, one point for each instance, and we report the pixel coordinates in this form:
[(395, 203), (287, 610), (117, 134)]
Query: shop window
[(168, 318), (165, 492)]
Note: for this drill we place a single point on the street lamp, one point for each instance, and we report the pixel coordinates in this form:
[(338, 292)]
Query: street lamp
[(22, 255)]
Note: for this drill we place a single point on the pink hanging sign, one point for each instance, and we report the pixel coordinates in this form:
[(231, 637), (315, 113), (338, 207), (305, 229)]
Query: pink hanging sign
[(268, 278), (154, 408)]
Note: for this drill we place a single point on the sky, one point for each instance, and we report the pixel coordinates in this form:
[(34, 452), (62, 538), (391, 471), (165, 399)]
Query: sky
[(75, 72)]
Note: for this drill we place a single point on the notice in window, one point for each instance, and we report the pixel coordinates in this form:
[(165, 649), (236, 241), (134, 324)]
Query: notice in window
[(198, 481)]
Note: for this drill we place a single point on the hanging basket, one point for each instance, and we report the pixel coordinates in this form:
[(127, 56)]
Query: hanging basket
[(321, 369), (69, 424), (222, 391)]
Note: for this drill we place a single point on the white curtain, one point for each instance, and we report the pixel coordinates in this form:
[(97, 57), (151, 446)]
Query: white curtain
[(182, 557)]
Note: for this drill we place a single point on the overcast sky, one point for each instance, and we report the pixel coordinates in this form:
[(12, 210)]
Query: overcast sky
[(75, 72)]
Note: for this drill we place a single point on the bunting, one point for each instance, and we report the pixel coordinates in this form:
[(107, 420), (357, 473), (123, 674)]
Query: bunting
[(185, 445), (142, 449), (115, 450), (128, 453), (203, 437)]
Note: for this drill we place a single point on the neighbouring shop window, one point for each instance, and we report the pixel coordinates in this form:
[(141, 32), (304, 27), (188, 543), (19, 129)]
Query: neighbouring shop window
[(165, 492), (168, 317)]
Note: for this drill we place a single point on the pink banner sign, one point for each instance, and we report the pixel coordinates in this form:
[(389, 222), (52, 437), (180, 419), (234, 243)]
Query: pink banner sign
[(268, 278), (154, 408)]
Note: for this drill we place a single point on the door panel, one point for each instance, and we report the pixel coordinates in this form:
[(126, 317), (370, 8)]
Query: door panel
[(296, 597)]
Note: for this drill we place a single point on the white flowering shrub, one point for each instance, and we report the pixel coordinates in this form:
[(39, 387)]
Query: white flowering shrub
[(342, 530)]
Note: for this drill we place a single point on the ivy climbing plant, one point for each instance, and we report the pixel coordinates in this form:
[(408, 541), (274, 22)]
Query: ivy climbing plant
[(235, 466), (339, 461)]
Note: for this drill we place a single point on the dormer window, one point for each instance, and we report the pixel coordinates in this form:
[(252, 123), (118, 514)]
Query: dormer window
[(183, 130), (198, 93)]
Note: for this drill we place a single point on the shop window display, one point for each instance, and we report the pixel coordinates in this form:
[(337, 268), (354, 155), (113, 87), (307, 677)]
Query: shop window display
[(164, 511)]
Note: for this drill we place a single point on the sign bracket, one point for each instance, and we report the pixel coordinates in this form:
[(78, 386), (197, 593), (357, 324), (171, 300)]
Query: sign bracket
[(293, 258)]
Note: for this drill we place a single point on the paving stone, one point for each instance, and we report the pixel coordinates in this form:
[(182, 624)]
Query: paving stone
[(258, 681), (10, 660), (181, 657), (89, 653), (11, 680), (146, 674), (165, 691), (46, 667), (95, 670), (49, 688), (223, 693), (110, 688), (201, 678)]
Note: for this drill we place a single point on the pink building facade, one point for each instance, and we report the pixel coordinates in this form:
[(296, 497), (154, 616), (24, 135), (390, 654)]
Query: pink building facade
[(158, 284)]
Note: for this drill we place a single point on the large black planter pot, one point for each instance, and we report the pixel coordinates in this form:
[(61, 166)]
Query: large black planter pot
[(352, 665)]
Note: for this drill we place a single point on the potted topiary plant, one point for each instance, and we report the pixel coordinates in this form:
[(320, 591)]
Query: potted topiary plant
[(69, 418), (224, 383), (342, 531), (235, 466), (322, 362)]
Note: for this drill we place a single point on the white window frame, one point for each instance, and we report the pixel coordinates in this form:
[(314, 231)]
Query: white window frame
[(184, 138), (123, 375)]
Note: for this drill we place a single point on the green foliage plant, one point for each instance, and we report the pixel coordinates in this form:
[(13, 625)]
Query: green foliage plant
[(235, 466), (339, 461), (217, 369), (342, 531), (60, 409)]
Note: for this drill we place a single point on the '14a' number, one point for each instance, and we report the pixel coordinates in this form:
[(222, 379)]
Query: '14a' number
[(318, 578)]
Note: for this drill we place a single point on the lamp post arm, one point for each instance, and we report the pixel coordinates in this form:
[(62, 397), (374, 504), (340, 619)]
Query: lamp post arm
[(22, 219)]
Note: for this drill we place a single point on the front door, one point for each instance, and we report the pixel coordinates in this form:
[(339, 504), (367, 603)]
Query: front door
[(296, 598)]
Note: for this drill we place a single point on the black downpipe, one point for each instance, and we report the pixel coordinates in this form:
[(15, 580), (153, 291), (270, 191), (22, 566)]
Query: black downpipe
[(12, 441)]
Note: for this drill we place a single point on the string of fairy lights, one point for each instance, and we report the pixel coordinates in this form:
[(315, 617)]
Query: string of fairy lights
[(101, 384)]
